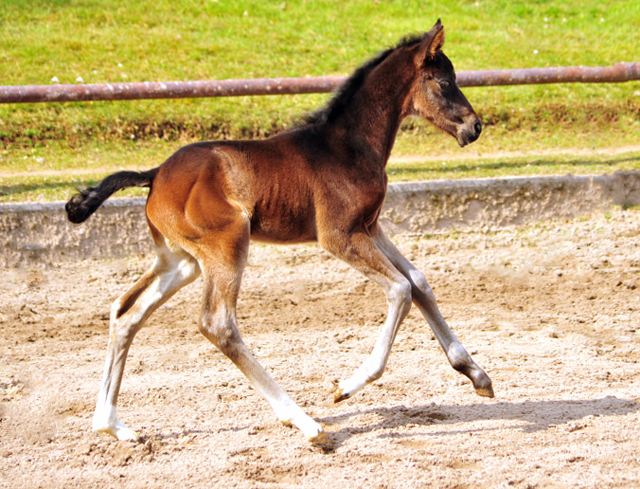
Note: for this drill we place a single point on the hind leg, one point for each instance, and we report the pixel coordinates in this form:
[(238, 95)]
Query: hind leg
[(424, 298), (222, 261), (172, 270)]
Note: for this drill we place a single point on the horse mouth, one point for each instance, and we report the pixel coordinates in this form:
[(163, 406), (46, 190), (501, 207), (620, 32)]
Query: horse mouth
[(465, 140), (469, 135), (462, 143)]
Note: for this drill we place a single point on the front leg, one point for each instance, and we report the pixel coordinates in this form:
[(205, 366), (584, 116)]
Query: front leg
[(360, 251), (424, 298)]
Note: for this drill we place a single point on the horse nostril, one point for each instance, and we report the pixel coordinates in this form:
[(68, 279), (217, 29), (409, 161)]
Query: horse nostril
[(478, 128)]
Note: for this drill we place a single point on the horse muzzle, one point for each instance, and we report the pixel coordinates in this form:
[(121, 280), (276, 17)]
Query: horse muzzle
[(469, 132)]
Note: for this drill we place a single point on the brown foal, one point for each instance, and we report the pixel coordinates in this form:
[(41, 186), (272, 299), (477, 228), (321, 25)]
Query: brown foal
[(322, 181)]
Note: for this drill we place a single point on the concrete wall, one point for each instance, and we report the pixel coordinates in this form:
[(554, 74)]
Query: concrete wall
[(502, 202), (40, 233)]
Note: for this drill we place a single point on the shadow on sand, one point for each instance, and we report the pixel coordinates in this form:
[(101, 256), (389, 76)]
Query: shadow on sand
[(534, 415)]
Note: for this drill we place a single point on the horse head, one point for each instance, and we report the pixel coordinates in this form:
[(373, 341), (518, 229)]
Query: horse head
[(435, 93)]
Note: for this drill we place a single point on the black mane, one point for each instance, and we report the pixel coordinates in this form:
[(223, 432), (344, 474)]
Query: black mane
[(345, 92)]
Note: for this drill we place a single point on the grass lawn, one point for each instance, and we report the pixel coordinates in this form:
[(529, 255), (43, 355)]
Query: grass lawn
[(47, 149)]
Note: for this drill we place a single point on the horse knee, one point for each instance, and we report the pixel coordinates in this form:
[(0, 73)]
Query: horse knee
[(221, 332), (418, 279), (401, 294), (421, 286)]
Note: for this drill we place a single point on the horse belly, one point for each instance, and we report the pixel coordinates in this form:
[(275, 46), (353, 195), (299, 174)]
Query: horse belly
[(279, 224)]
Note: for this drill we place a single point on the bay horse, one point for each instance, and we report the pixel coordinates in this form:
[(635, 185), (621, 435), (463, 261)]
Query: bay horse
[(323, 180)]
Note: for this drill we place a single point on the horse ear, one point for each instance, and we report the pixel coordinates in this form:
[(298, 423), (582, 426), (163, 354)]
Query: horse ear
[(433, 41)]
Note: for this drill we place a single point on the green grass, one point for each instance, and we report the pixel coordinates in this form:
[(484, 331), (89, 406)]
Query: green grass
[(116, 40)]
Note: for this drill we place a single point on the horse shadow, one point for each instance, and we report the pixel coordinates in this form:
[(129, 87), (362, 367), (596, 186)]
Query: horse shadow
[(534, 416)]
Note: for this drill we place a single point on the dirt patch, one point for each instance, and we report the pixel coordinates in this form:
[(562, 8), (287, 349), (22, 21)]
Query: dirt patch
[(550, 311)]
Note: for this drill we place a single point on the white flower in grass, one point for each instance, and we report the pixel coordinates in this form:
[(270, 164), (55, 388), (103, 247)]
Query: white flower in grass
[(55, 80), (40, 159), (79, 80)]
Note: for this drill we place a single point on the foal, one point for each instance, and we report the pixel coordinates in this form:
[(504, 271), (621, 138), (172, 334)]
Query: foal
[(322, 181)]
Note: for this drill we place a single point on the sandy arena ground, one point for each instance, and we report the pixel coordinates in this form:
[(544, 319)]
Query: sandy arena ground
[(550, 311)]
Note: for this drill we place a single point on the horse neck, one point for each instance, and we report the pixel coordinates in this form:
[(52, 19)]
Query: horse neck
[(371, 122)]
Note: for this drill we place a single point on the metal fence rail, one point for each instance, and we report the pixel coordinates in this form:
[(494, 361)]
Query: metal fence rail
[(620, 72)]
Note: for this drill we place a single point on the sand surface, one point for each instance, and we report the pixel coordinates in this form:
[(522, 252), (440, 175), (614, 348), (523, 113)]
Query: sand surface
[(550, 311)]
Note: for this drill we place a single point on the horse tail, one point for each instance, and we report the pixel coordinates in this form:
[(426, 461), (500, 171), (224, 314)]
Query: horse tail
[(86, 201)]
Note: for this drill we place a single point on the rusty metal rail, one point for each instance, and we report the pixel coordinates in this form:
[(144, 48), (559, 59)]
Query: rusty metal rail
[(620, 72)]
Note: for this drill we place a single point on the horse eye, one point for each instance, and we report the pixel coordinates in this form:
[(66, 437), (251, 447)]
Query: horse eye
[(445, 86)]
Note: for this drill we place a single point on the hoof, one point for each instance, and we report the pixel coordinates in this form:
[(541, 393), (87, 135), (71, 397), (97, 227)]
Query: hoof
[(339, 395), (485, 391), (128, 435), (120, 432), (320, 439), (481, 382)]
